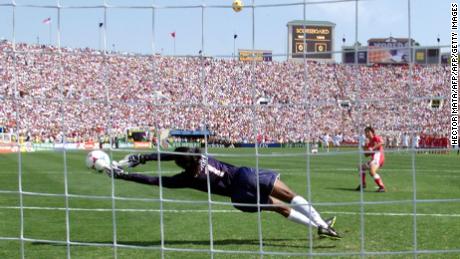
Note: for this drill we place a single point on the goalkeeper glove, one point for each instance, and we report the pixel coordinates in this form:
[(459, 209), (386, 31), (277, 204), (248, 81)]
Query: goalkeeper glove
[(132, 160), (115, 171)]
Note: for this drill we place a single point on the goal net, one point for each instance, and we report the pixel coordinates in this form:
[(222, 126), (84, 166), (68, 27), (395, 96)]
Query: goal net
[(285, 85)]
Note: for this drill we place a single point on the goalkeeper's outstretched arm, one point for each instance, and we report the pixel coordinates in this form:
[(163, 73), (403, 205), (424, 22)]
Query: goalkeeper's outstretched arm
[(154, 157), (175, 181), (181, 160), (134, 160)]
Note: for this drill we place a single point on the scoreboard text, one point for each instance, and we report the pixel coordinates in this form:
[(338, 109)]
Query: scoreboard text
[(313, 39)]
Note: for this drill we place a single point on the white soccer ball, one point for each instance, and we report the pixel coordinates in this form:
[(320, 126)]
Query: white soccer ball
[(97, 160)]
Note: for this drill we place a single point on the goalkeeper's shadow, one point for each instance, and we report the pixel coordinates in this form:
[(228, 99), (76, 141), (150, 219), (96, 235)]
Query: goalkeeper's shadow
[(270, 242)]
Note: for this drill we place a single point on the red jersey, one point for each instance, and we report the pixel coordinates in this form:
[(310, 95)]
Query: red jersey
[(378, 153)]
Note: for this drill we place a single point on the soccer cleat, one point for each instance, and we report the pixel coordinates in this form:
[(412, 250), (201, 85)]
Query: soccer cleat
[(359, 187), (331, 221), (329, 233), (381, 189)]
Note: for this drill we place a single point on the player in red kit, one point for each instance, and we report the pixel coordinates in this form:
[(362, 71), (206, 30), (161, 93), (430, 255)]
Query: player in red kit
[(374, 149)]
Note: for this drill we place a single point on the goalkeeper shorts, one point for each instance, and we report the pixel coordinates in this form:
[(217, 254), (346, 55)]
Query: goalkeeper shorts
[(244, 187)]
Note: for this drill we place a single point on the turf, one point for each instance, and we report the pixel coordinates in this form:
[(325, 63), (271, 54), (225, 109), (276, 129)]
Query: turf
[(329, 182)]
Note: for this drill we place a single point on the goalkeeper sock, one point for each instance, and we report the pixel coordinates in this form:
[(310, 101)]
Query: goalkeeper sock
[(378, 181), (298, 217), (302, 205)]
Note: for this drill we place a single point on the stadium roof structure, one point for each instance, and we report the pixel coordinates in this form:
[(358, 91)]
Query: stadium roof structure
[(310, 22), (392, 39), (389, 39)]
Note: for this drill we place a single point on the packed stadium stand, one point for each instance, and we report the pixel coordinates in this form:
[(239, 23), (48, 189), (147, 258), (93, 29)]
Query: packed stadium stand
[(95, 92)]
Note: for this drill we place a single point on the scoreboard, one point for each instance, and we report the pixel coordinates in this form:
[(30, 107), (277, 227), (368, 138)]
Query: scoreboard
[(317, 40), (312, 37)]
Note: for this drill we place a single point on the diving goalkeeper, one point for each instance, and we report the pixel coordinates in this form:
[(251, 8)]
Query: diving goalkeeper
[(238, 183)]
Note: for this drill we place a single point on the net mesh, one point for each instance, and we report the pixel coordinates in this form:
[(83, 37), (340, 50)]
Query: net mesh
[(205, 101)]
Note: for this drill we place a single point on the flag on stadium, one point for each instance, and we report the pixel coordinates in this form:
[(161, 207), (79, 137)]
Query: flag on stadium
[(47, 20), (101, 24), (235, 36), (173, 34)]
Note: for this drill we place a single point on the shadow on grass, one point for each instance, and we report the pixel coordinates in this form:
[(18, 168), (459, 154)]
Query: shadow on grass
[(344, 189), (273, 242)]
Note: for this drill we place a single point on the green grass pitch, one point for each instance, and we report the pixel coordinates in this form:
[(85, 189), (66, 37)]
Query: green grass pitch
[(388, 226)]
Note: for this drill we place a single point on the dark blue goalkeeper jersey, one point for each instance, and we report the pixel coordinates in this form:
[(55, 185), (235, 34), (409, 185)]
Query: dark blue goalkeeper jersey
[(220, 174), (239, 183)]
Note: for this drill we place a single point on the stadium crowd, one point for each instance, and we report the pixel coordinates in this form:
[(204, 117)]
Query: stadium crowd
[(82, 93)]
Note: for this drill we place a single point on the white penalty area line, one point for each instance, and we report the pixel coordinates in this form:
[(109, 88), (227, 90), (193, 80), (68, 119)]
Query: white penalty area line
[(396, 214)]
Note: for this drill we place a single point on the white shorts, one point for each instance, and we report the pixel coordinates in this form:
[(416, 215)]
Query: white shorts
[(376, 159)]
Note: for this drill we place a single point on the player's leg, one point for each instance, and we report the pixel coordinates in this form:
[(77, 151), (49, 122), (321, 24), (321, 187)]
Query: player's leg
[(282, 192), (274, 190), (278, 206), (299, 218), (291, 214), (377, 179), (362, 175)]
